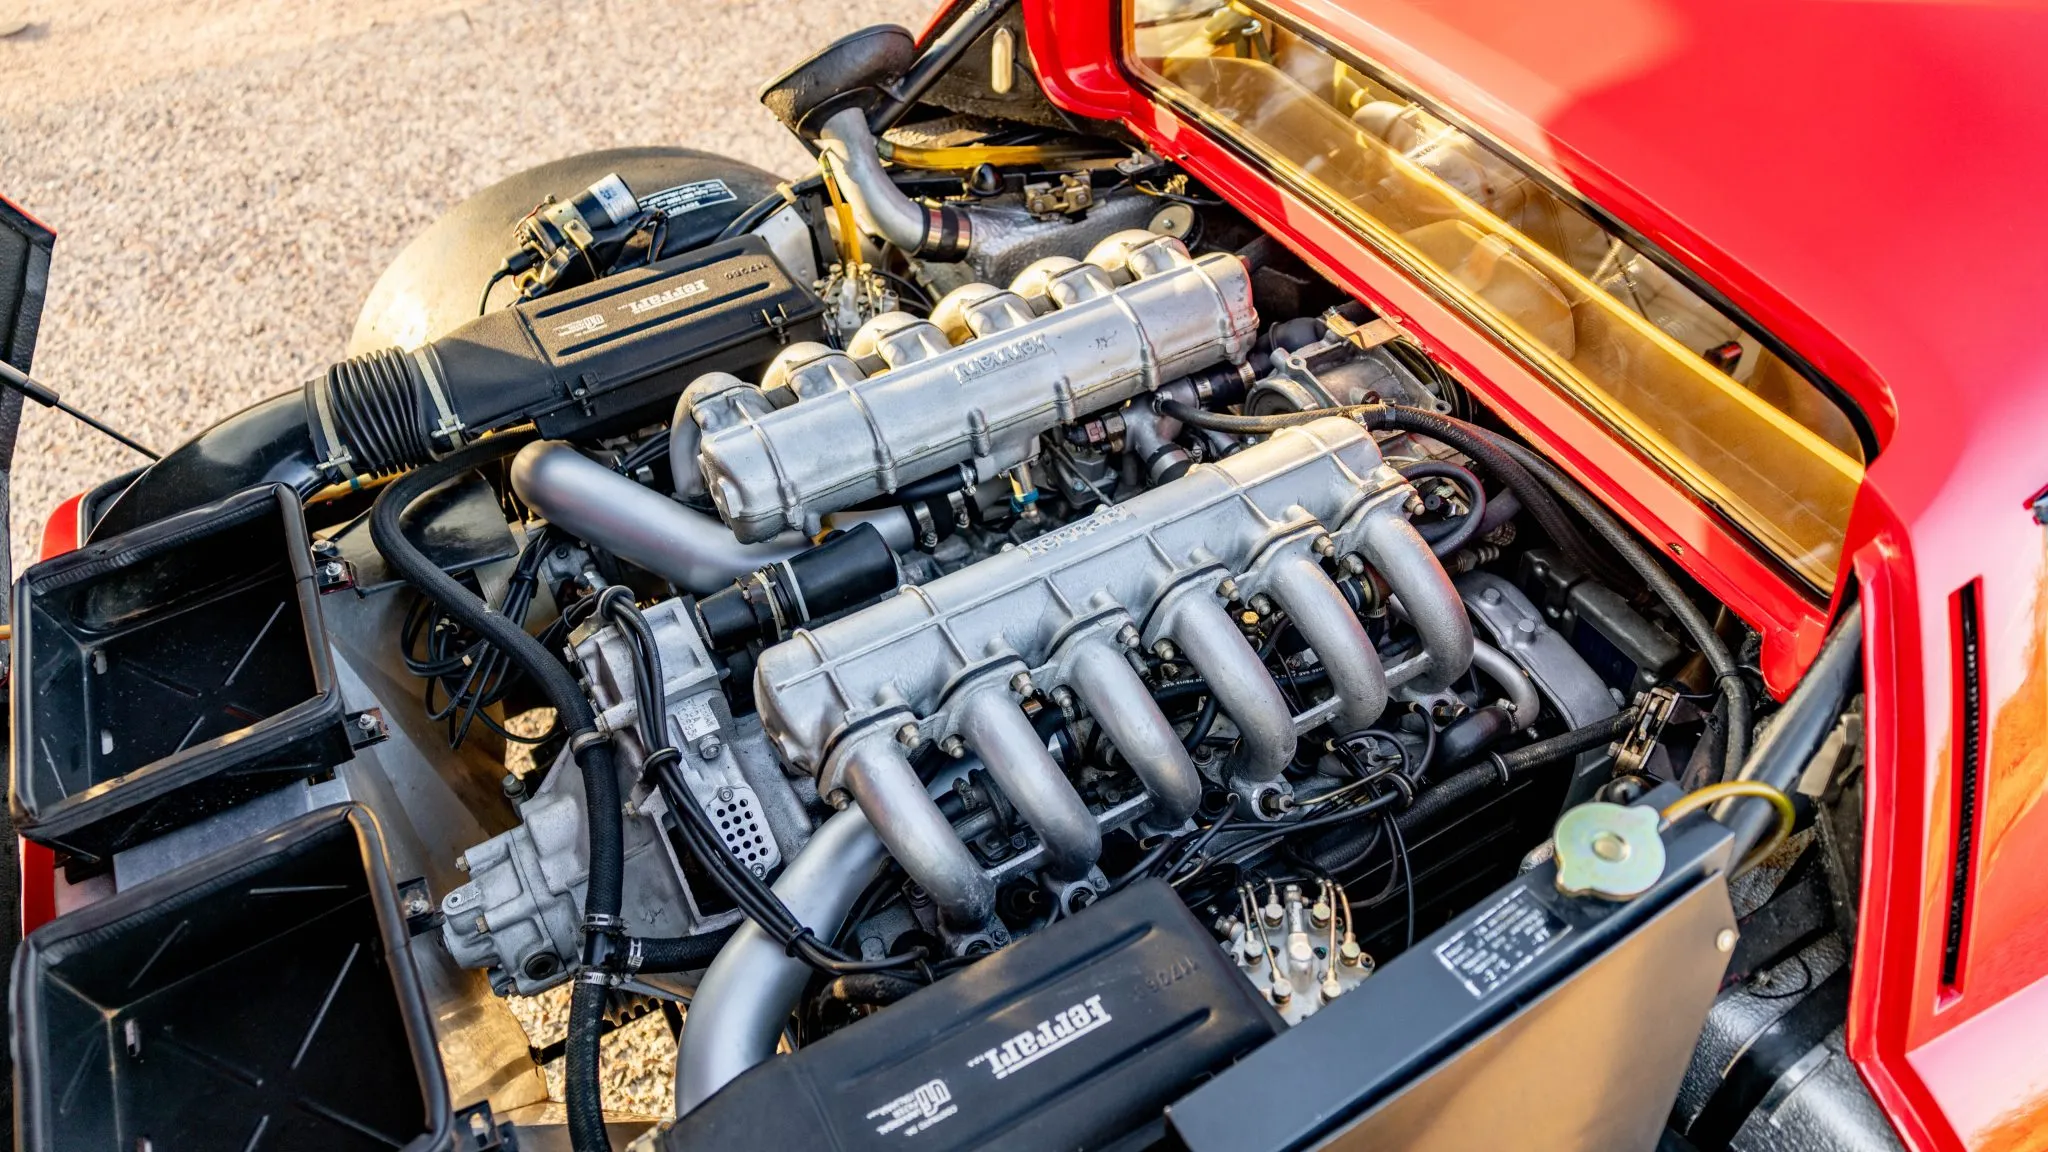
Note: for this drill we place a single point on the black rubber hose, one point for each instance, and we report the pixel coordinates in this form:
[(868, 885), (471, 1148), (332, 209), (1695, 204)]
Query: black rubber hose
[(682, 954), (600, 779), (1800, 728), (870, 988), (1487, 450), (1451, 535), (1338, 852), (1503, 767), (1733, 688)]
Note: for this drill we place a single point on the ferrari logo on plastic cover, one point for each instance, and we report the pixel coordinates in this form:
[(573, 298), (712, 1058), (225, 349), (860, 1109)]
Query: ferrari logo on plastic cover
[(1050, 1036)]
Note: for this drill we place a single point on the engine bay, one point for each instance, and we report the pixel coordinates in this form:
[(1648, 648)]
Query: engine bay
[(983, 569)]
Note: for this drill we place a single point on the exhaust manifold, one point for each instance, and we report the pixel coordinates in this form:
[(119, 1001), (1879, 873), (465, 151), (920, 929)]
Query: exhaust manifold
[(954, 660), (974, 385)]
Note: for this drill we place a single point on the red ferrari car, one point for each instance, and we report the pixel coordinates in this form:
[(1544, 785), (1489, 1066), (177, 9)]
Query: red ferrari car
[(1247, 575)]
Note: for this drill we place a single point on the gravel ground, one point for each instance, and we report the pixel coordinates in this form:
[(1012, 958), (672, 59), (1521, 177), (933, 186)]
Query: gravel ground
[(228, 177)]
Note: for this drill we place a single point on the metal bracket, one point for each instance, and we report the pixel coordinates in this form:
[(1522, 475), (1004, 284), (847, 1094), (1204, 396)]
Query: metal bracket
[(476, 1130), (1071, 196), (366, 728), (331, 573), (416, 901), (1632, 751)]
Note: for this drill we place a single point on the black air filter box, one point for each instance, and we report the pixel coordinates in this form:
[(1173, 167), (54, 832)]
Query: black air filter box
[(262, 998), (1073, 1038), (602, 358), (168, 673)]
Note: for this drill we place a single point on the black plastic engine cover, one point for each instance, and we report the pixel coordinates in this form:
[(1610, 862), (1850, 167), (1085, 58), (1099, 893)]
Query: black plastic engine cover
[(1072, 1038), (607, 354)]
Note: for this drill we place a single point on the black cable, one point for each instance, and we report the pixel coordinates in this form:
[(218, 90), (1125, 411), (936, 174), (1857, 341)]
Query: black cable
[(1201, 842), (757, 212), (471, 671), (483, 301), (749, 892), (1407, 875)]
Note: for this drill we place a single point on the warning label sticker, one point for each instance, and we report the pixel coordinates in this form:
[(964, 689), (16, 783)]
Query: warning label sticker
[(695, 717), (1502, 942), (689, 197)]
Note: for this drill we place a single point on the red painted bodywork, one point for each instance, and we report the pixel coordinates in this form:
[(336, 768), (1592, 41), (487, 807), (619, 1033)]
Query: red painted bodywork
[(1851, 176), (1858, 178), (61, 534)]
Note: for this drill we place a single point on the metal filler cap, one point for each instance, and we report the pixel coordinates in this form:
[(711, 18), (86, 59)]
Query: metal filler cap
[(1611, 851)]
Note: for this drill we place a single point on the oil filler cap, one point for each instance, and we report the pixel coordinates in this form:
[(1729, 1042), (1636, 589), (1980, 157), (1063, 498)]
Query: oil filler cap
[(1611, 851)]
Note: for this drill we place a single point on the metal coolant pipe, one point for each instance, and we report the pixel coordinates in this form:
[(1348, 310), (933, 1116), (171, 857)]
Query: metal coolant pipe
[(751, 988), (638, 525)]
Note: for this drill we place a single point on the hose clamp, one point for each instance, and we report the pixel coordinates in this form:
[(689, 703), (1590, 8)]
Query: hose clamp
[(338, 461), (448, 427)]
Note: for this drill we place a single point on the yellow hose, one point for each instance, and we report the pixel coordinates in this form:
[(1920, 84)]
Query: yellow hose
[(967, 156), (1715, 793), (849, 231)]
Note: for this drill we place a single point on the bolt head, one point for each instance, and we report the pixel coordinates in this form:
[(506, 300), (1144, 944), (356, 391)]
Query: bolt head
[(1725, 940), (725, 795), (417, 906), (1128, 636), (1415, 506), (1021, 684), (462, 863), (838, 799), (1352, 564), (1262, 604), (1164, 649), (1323, 546), (709, 747), (367, 722), (908, 736), (953, 746), (1227, 589)]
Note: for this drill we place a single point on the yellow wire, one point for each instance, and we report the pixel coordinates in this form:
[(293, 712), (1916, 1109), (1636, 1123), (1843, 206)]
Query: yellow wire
[(1715, 793)]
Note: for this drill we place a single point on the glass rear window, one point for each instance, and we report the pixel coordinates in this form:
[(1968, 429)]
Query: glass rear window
[(1692, 387)]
